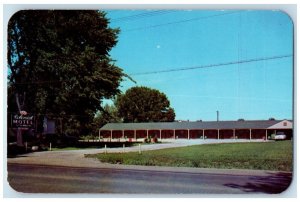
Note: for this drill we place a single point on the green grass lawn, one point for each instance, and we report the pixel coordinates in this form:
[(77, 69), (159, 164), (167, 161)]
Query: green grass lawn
[(256, 155)]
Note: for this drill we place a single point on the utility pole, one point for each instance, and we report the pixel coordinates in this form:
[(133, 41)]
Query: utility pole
[(217, 115)]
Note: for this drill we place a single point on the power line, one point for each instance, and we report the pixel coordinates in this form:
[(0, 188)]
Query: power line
[(142, 15), (214, 65), (181, 69), (181, 21), (176, 69)]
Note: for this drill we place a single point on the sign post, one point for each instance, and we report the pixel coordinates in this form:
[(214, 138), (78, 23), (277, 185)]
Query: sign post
[(22, 112)]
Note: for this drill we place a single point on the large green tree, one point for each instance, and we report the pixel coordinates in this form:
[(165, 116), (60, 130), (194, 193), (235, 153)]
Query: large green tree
[(143, 104), (59, 62)]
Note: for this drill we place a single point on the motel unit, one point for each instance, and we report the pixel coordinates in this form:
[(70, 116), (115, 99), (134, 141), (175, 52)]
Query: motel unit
[(242, 129)]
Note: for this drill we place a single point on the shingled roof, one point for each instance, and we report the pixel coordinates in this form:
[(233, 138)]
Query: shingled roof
[(193, 125)]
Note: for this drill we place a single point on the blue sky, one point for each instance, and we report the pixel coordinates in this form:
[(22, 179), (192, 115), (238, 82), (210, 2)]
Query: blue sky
[(154, 41)]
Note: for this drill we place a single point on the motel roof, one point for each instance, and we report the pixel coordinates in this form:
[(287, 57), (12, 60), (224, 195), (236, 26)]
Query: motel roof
[(260, 124)]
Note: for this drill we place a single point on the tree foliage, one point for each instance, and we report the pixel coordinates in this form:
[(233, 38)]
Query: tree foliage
[(60, 60), (143, 104), (109, 114)]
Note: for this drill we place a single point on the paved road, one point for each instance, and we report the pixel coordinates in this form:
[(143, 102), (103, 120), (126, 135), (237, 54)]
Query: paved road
[(60, 179)]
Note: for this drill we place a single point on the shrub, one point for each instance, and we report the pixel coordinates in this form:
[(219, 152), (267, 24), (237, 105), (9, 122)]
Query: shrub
[(146, 140), (154, 140)]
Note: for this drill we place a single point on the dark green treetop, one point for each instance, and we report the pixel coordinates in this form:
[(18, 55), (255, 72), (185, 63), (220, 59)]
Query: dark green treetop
[(143, 104)]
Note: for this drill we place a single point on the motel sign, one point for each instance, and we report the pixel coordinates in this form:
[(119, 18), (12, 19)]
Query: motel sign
[(22, 121)]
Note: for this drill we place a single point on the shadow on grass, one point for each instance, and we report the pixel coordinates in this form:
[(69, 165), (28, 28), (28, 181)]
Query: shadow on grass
[(271, 184)]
